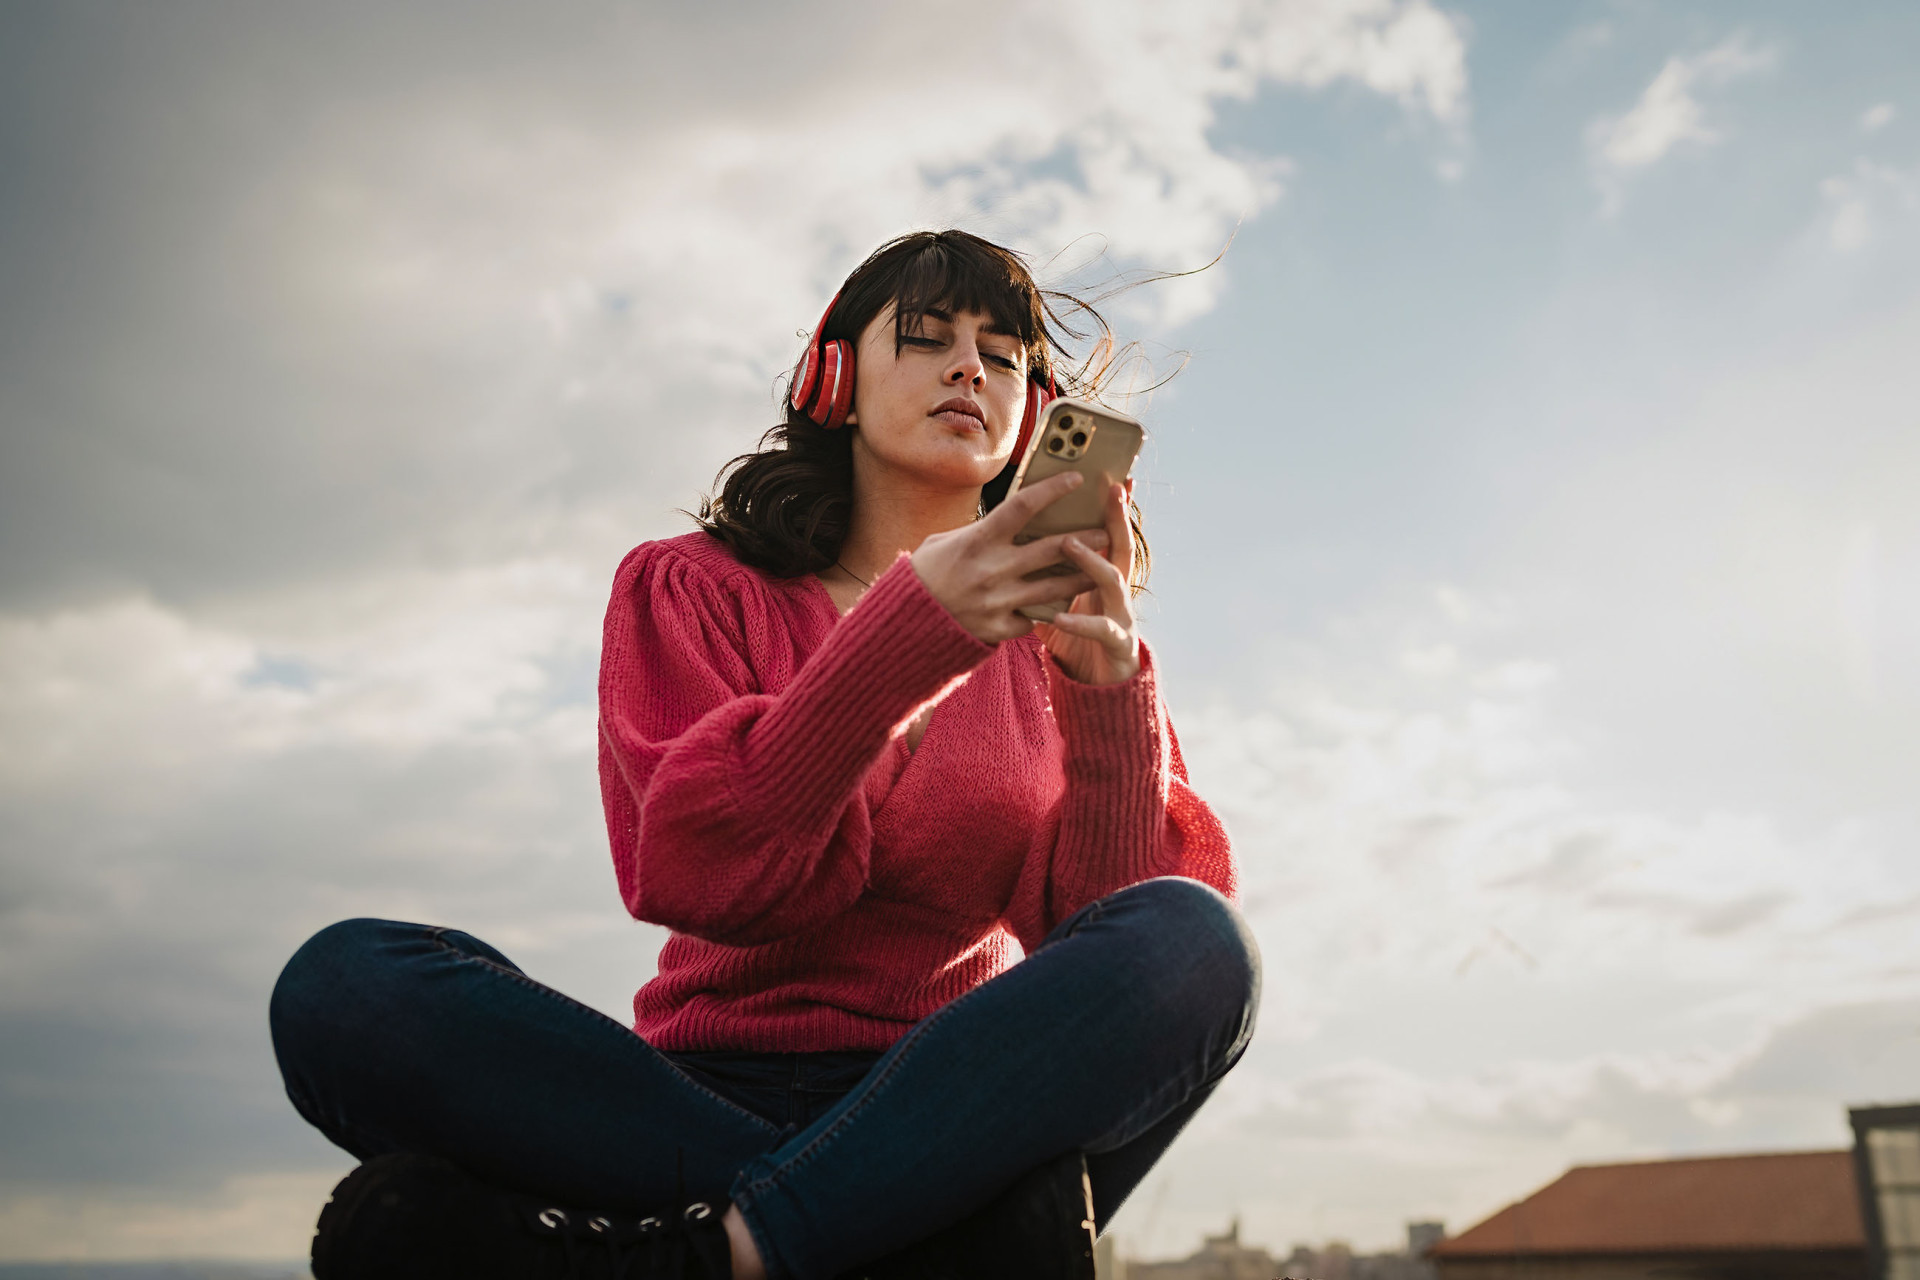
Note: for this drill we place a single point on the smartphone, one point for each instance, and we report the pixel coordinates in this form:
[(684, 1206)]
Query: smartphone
[(1075, 435)]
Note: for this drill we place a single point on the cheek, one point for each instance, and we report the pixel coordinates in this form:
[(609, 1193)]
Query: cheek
[(876, 377), (1012, 404)]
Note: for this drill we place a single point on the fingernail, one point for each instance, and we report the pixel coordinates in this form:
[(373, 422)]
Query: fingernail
[(1075, 479)]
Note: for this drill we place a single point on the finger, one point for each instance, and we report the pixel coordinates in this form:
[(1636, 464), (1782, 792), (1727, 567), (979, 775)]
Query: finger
[(1020, 506), (1045, 590), (1119, 548), (1098, 627), (1108, 579), (1115, 600), (1013, 627), (1042, 552)]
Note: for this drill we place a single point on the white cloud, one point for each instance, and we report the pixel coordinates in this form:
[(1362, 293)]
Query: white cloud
[(1095, 119), (1860, 205), (132, 689), (1667, 114), (1877, 117)]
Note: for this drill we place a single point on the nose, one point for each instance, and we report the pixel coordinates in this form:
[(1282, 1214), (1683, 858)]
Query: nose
[(968, 369)]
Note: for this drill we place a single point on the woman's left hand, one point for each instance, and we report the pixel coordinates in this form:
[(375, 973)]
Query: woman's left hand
[(1096, 641)]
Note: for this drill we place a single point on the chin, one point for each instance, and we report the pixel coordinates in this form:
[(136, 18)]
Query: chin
[(959, 470)]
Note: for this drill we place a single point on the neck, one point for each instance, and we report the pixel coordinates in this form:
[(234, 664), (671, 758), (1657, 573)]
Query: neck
[(893, 513)]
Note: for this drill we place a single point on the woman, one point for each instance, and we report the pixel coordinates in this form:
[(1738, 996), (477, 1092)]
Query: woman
[(850, 777)]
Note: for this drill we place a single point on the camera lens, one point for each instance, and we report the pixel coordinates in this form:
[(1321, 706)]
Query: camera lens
[(1066, 419), (1079, 438), (1054, 444)]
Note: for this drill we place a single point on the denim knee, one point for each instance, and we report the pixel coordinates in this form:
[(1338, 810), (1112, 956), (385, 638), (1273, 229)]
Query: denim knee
[(1201, 936), (317, 975)]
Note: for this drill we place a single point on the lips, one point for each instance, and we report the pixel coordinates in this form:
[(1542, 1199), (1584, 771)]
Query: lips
[(961, 414)]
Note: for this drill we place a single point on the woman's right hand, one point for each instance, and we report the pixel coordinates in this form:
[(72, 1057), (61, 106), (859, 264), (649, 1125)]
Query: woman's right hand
[(979, 574)]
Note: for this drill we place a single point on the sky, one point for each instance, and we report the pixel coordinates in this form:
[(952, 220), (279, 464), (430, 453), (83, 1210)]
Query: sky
[(1536, 566)]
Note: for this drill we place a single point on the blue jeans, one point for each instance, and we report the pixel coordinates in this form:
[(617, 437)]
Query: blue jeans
[(1106, 1040)]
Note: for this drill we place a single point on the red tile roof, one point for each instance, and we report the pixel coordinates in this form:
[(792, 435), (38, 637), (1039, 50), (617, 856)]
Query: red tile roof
[(1802, 1200)]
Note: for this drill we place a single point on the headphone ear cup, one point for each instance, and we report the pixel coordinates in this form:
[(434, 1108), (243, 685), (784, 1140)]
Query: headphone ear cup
[(806, 379), (824, 377), (1038, 398), (823, 384), (839, 403)]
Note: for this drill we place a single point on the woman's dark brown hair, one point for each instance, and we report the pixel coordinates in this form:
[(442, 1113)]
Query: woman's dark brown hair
[(785, 508)]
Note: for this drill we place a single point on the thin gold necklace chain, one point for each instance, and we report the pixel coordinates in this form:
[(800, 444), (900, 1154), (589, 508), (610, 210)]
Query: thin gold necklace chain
[(851, 574)]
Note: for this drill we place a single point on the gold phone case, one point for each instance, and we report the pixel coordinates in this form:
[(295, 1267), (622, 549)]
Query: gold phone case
[(1075, 435)]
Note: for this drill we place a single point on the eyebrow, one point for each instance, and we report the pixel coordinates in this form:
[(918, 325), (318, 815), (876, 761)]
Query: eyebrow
[(994, 327)]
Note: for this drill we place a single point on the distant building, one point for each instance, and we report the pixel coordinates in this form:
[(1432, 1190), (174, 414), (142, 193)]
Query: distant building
[(1225, 1257), (1332, 1261), (1411, 1264), (1220, 1258), (1792, 1216), (1886, 1161)]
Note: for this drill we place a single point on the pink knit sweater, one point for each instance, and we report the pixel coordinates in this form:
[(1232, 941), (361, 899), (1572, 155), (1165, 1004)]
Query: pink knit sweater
[(826, 887)]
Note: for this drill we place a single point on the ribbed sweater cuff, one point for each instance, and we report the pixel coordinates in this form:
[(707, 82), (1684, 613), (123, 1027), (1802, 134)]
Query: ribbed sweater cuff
[(1115, 766), (896, 651), (1111, 730)]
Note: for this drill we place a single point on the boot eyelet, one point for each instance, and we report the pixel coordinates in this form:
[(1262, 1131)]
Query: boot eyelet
[(599, 1225), (699, 1211), (553, 1219), (650, 1225)]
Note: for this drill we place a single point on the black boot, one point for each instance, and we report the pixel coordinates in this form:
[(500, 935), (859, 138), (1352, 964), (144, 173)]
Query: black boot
[(412, 1217), (1040, 1228)]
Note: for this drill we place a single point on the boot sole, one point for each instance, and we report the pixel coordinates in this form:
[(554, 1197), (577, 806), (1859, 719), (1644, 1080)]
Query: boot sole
[(336, 1216)]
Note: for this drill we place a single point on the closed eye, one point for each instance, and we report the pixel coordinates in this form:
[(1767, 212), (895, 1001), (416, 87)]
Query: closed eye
[(921, 342)]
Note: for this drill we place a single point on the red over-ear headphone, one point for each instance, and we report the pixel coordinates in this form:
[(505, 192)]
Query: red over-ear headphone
[(822, 386)]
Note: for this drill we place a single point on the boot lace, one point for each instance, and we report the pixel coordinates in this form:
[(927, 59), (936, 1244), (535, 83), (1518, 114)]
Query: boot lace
[(601, 1247)]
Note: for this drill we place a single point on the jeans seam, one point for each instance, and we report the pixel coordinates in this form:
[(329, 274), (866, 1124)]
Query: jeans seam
[(1091, 912), (437, 937), (807, 1154)]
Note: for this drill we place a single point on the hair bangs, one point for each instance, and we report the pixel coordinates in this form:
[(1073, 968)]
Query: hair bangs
[(952, 274)]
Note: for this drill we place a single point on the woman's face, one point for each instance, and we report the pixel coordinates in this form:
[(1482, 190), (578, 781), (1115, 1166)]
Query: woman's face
[(945, 408)]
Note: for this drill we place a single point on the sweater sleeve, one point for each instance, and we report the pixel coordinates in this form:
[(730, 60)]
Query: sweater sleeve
[(1127, 813), (736, 814)]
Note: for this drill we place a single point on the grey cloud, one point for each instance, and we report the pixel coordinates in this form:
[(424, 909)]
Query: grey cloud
[(90, 1103), (1574, 862), (181, 408), (1360, 1144), (140, 957), (1707, 917)]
